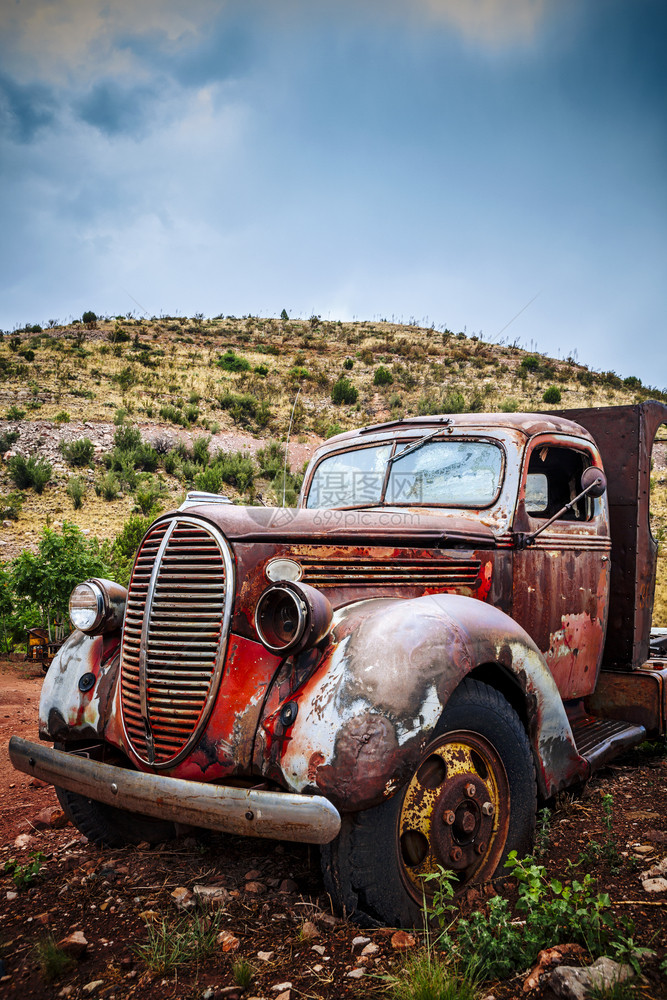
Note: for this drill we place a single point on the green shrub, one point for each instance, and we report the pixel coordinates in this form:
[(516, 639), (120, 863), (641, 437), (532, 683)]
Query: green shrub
[(509, 406), (244, 409), (348, 364), (530, 363), (200, 452), (28, 354), (7, 439), (62, 417), (10, 506), (171, 463), (344, 392), (89, 317), (191, 414), (585, 377), (79, 452), (29, 472), (125, 545), (108, 487), (172, 415), (383, 376), (230, 361), (14, 413), (127, 438), (552, 395), (76, 489), (148, 496), (454, 402)]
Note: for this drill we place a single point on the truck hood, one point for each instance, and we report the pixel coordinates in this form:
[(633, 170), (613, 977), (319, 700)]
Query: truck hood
[(403, 526)]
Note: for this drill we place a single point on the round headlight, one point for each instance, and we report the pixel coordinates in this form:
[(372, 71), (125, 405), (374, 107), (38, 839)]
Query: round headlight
[(291, 617), (86, 606), (280, 619)]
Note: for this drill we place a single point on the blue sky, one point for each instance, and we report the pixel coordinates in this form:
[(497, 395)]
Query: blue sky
[(453, 161)]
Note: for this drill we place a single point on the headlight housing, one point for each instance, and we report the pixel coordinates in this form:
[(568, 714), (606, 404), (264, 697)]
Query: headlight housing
[(97, 606), (291, 617)]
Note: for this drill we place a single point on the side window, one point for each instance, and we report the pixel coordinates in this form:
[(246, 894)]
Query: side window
[(554, 478)]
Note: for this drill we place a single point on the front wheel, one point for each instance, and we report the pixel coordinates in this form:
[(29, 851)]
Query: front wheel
[(470, 801), (106, 825)]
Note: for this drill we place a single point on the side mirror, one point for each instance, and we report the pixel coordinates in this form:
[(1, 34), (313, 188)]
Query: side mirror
[(593, 482)]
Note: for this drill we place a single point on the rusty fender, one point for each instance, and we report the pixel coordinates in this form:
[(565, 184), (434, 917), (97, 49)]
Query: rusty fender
[(365, 715), (78, 689), (243, 811)]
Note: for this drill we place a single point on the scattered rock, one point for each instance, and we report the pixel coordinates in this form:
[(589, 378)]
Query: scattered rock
[(402, 941), (548, 957), (285, 995), (656, 871), (327, 919), (281, 988), (654, 885), (38, 783), (360, 942), (182, 898), (573, 983), (265, 956), (51, 817), (319, 948), (355, 973), (43, 918), (288, 885), (74, 945), (213, 896), (228, 941), (253, 875), (309, 930), (92, 986), (257, 888), (24, 840), (11, 896), (371, 949)]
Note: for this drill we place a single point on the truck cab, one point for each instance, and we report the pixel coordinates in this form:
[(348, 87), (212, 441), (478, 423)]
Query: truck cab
[(452, 625)]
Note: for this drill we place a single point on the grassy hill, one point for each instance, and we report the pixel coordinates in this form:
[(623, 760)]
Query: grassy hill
[(230, 385)]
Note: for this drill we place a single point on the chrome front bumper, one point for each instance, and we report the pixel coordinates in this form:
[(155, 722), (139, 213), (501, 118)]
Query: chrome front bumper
[(246, 812)]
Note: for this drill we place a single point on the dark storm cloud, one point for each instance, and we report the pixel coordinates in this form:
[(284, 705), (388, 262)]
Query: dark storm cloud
[(116, 109), (24, 109)]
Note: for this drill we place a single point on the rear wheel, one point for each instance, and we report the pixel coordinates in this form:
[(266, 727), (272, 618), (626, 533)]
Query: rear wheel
[(470, 801)]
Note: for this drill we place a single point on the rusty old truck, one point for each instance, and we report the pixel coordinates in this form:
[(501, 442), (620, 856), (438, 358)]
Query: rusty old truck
[(451, 626)]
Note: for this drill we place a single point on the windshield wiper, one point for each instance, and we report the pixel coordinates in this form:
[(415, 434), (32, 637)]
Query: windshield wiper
[(417, 444)]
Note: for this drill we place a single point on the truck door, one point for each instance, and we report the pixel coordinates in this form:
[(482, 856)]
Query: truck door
[(561, 578)]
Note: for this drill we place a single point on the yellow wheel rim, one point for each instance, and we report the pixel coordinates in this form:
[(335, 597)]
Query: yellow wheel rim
[(455, 812)]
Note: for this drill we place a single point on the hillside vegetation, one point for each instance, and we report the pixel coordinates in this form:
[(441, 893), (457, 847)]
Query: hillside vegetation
[(110, 417)]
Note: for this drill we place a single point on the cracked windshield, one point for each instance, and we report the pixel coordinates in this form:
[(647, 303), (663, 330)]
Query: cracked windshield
[(455, 473)]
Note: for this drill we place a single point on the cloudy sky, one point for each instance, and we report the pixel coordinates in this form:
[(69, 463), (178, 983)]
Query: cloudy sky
[(468, 163)]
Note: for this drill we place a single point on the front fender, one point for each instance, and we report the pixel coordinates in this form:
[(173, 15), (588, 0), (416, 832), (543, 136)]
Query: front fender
[(367, 712), (65, 711)]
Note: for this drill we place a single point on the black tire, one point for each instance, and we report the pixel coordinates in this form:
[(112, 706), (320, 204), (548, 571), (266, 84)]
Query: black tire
[(106, 825), (110, 827), (479, 751)]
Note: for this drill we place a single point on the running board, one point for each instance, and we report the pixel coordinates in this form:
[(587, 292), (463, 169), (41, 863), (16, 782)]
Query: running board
[(600, 740)]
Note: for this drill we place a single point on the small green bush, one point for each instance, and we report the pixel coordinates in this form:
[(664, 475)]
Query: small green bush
[(382, 376), (29, 472), (10, 506), (76, 489), (172, 415), (7, 439), (15, 413), (89, 317), (148, 496), (454, 402), (230, 361), (344, 392), (62, 417), (348, 364), (261, 370), (79, 452), (552, 395), (108, 487)]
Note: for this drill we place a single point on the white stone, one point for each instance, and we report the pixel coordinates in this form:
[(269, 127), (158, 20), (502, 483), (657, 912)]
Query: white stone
[(655, 885)]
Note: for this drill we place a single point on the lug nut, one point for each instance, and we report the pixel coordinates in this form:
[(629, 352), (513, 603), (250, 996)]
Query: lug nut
[(448, 818), (455, 854), (488, 809), (470, 790), (481, 847), (468, 823)]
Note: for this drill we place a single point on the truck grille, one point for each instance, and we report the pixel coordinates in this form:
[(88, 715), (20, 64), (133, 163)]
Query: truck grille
[(404, 572), (174, 637)]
